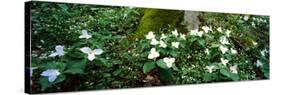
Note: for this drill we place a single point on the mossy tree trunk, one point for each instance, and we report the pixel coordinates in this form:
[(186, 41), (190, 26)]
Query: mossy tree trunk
[(156, 19)]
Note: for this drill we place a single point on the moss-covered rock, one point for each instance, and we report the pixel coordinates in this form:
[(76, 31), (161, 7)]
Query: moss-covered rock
[(156, 19)]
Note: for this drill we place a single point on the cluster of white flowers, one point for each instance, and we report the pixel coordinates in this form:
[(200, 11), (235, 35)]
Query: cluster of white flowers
[(153, 41), (195, 32), (59, 51), (223, 47)]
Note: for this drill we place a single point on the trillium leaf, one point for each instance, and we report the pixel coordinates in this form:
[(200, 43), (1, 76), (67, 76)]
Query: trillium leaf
[(147, 67), (161, 64), (225, 72), (175, 67), (44, 82)]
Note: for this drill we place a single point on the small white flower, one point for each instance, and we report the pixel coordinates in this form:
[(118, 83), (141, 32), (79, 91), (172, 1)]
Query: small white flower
[(206, 29), (150, 35), (233, 51), (193, 32), (91, 53), (153, 54), (162, 44), (200, 33), (175, 44), (182, 36), (228, 33), (58, 51), (169, 61), (207, 51), (263, 52), (163, 36), (254, 43), (223, 49), (210, 68), (154, 42), (224, 61), (51, 74), (175, 32), (259, 63), (223, 40), (219, 29), (246, 18), (233, 69), (85, 34)]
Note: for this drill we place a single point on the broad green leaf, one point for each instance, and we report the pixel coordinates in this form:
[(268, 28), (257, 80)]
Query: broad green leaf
[(117, 72), (161, 64), (147, 67), (44, 82)]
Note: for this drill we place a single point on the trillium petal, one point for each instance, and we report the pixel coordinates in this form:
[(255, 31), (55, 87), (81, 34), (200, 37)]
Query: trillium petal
[(98, 51), (52, 78), (91, 56), (54, 54), (86, 50)]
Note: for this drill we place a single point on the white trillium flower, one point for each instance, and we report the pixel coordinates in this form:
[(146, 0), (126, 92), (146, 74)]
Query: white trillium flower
[(233, 69), (224, 61), (224, 40), (51, 74), (182, 36), (162, 44), (85, 34), (219, 29), (210, 68), (263, 52), (58, 51), (223, 49), (169, 61), (150, 35), (228, 33), (91, 53), (206, 29), (163, 36), (233, 51), (259, 63), (207, 51), (175, 32), (193, 32), (246, 18), (154, 42), (153, 54), (175, 44), (200, 33)]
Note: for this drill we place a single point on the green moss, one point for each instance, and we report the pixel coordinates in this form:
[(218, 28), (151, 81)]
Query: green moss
[(156, 19)]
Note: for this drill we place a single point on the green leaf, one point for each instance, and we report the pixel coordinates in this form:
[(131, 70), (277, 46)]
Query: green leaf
[(44, 82), (175, 67), (225, 72), (147, 67), (230, 75), (76, 67), (117, 72), (208, 76), (74, 71), (201, 42), (63, 6), (161, 64)]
